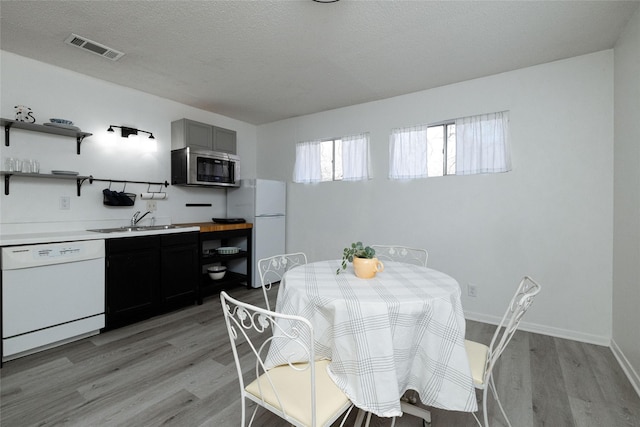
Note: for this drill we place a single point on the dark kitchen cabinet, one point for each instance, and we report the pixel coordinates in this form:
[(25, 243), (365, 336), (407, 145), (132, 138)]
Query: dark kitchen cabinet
[(189, 133), (133, 273), (178, 269), (150, 275)]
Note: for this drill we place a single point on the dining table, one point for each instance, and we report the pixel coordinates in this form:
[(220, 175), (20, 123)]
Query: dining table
[(401, 330)]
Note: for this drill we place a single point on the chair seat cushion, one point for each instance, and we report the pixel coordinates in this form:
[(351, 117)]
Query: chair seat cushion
[(294, 388), (477, 354)]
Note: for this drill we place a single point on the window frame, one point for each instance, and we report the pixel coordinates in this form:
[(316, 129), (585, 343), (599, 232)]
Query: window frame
[(334, 142), (445, 143), (445, 146)]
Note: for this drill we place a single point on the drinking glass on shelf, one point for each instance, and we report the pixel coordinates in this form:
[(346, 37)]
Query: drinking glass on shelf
[(9, 164), (26, 166), (17, 165), (35, 166)]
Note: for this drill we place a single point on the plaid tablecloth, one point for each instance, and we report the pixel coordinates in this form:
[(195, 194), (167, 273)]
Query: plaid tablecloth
[(402, 330)]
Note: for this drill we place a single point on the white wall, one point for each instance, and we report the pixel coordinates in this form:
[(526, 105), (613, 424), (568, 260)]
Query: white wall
[(551, 217), (626, 243), (93, 105)]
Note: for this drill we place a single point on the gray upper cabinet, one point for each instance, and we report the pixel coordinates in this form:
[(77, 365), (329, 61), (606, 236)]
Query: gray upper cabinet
[(189, 133), (224, 140)]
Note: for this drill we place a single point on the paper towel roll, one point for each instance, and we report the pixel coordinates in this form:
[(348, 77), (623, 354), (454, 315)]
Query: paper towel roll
[(154, 196)]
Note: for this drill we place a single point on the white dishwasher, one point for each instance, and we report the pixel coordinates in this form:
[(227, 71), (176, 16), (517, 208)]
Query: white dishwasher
[(51, 294)]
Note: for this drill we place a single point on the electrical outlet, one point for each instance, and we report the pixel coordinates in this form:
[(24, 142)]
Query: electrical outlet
[(151, 205), (65, 203), (472, 290)]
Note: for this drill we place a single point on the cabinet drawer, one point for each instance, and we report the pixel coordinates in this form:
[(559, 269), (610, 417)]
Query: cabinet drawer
[(127, 244), (180, 238)]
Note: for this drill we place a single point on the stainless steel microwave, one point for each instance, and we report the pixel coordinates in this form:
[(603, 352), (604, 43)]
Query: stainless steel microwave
[(201, 167)]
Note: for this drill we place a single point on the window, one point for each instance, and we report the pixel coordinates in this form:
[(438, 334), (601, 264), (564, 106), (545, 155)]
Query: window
[(441, 150), (483, 144), (465, 146), (340, 159), (423, 151), (331, 160)]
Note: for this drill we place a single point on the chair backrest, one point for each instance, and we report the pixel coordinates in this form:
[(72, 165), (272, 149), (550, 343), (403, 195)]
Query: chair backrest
[(272, 269), (520, 303), (406, 254), (252, 330)]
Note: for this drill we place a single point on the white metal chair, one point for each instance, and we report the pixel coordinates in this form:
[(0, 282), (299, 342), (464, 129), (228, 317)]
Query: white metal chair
[(402, 254), (273, 268), (482, 358), (301, 393)]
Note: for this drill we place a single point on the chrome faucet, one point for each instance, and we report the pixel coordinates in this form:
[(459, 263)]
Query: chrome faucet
[(136, 219)]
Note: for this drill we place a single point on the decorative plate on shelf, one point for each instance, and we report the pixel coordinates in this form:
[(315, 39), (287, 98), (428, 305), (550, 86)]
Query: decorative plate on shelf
[(61, 121), (73, 173), (62, 126), (228, 250)]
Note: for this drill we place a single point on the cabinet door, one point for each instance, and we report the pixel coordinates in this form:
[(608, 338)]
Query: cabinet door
[(199, 135), (224, 140), (132, 278), (189, 133), (179, 275), (133, 274)]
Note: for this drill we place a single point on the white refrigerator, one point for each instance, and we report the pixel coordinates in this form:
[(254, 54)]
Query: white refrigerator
[(263, 203)]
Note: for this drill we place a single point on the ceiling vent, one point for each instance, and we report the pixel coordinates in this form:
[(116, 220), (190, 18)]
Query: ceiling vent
[(93, 47)]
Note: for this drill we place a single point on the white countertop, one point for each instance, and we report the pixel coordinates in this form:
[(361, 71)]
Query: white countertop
[(68, 236)]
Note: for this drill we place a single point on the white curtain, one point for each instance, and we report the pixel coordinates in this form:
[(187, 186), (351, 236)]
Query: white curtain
[(307, 167), (408, 153), (356, 157), (482, 144)]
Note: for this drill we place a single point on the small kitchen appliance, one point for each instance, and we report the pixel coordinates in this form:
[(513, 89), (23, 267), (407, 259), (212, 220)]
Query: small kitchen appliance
[(204, 168)]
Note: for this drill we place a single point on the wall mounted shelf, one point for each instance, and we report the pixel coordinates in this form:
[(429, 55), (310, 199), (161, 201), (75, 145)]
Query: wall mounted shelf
[(78, 178), (52, 130)]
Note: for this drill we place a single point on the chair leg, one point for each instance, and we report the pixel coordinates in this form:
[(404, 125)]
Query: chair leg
[(368, 419), (359, 418), (484, 406), (492, 385), (475, 417), (346, 415), (252, 416), (243, 409)]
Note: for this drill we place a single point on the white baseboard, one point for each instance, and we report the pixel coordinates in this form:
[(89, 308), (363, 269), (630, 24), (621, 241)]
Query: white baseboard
[(544, 330), (633, 376), (628, 369)]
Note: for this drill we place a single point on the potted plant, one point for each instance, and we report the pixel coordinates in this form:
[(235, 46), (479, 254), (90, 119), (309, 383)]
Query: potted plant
[(365, 263)]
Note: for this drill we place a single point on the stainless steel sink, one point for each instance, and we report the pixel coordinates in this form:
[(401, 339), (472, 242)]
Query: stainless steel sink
[(159, 227), (130, 229)]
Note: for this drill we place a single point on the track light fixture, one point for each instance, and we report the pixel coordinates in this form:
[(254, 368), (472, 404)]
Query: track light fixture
[(126, 131)]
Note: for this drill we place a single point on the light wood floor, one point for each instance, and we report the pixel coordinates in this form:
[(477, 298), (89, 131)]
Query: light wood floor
[(177, 370)]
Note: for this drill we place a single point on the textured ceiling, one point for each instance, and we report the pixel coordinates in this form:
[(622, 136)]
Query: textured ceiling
[(261, 61)]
